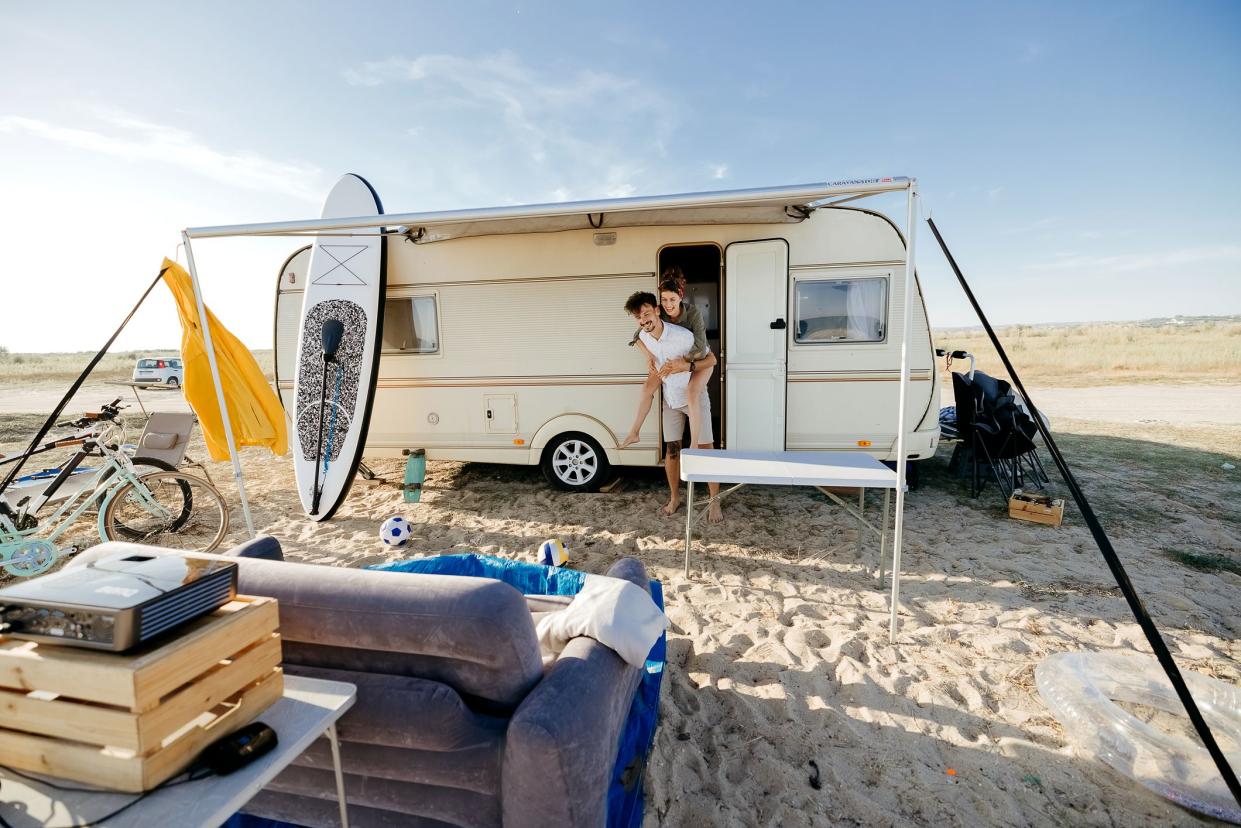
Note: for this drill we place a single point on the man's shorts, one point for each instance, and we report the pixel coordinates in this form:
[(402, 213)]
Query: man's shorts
[(676, 418)]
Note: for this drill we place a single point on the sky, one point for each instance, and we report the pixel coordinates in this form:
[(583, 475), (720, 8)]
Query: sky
[(1080, 158)]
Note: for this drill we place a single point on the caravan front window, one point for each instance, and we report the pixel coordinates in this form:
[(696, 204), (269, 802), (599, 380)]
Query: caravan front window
[(840, 310), (411, 325)]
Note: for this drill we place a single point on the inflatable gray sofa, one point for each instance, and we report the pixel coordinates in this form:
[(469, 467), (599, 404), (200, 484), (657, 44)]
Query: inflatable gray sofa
[(457, 723)]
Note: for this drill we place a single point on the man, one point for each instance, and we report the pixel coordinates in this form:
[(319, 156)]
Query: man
[(669, 345)]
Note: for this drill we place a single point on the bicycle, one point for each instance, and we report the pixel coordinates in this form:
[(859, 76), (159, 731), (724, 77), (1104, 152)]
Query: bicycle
[(166, 506)]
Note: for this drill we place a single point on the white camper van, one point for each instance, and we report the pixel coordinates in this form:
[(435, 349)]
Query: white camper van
[(505, 339)]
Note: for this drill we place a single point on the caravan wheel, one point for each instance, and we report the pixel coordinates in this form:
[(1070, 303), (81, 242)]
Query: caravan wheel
[(575, 463)]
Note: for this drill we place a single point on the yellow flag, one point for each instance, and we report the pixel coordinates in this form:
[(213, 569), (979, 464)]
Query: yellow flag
[(253, 407)]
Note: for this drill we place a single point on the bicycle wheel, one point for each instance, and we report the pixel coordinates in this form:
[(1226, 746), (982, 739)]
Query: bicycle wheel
[(172, 509)]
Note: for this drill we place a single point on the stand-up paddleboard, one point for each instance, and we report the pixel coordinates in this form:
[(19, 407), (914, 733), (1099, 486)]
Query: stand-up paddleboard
[(338, 351), (288, 322)]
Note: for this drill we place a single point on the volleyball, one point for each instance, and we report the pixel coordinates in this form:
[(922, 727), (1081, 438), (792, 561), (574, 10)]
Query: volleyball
[(553, 553)]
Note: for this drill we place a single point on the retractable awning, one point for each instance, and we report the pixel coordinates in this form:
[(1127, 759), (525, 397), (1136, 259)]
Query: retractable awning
[(768, 205)]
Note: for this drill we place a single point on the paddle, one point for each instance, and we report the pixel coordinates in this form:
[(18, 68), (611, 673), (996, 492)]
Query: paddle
[(331, 335)]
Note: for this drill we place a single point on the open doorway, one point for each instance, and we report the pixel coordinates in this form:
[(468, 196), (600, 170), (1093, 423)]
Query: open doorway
[(701, 264)]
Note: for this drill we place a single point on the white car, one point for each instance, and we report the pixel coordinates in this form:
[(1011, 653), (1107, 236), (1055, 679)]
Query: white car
[(159, 371)]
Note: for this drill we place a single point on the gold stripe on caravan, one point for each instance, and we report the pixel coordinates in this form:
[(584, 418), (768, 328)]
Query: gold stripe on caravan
[(856, 379), (507, 382), (884, 375), (847, 265), (397, 288)]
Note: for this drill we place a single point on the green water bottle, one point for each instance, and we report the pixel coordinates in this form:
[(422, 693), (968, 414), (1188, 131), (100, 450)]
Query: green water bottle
[(415, 473)]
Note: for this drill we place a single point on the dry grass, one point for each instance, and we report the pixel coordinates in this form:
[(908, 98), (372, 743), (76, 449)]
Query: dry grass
[(63, 368), (1109, 354)]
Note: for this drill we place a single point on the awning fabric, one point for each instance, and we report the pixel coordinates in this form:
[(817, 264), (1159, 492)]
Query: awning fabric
[(253, 408)]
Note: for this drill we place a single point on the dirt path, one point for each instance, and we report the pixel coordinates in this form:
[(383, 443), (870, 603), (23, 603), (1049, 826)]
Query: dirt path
[(41, 399)]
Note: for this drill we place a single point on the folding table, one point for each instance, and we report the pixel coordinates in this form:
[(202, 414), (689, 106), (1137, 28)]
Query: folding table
[(820, 469)]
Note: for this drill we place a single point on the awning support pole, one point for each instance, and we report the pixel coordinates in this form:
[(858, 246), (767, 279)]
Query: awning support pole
[(908, 302), (1153, 637), (219, 388)]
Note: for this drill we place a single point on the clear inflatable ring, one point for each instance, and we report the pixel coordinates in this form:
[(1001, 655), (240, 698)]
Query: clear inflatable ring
[(1082, 689)]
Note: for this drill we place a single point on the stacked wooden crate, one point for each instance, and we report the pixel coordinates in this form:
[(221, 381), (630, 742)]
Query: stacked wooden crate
[(131, 721)]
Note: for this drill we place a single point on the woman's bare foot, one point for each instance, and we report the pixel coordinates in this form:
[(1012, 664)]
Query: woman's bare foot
[(715, 514), (671, 508), (629, 440)]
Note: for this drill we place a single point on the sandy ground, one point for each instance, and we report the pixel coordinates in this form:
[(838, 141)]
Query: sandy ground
[(783, 702)]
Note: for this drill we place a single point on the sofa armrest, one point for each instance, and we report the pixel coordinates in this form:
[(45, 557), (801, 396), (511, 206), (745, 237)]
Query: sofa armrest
[(562, 741)]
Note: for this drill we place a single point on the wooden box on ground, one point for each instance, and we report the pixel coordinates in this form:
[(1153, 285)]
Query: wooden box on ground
[(1036, 508), (131, 721)]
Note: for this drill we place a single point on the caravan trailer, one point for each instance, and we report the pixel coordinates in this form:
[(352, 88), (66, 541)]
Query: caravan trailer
[(505, 338)]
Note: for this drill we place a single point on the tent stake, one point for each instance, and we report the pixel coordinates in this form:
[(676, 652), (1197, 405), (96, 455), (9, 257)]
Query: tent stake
[(219, 389)]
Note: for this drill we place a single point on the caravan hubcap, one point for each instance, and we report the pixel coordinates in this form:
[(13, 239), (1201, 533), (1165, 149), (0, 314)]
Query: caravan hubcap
[(575, 462)]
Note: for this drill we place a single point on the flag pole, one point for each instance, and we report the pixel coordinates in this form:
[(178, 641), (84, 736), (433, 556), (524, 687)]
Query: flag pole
[(219, 387)]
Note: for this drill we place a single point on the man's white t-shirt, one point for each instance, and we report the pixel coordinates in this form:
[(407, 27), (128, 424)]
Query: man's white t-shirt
[(675, 343)]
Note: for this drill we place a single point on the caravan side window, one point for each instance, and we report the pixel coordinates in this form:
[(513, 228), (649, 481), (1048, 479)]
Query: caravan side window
[(840, 310), (411, 325)]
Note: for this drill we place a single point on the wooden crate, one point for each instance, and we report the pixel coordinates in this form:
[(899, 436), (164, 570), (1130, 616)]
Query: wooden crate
[(1036, 508), (130, 721)]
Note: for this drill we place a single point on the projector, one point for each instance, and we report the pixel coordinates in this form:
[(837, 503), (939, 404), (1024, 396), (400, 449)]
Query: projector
[(117, 602)]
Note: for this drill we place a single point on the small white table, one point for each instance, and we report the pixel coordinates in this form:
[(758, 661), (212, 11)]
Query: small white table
[(308, 710), (820, 469)]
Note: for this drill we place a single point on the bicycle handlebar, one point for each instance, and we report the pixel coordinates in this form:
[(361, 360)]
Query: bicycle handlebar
[(107, 412)]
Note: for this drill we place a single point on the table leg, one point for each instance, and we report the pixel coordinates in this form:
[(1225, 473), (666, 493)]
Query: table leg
[(883, 535), (861, 516), (689, 522), (340, 776)]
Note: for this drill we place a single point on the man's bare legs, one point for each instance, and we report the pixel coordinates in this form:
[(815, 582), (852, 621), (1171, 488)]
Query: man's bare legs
[(672, 469), (647, 396), (697, 387)]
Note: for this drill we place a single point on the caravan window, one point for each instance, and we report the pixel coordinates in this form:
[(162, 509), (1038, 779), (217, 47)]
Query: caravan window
[(411, 325), (841, 310)]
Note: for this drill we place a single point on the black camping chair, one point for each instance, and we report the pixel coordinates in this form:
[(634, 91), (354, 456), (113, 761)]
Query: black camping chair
[(997, 436)]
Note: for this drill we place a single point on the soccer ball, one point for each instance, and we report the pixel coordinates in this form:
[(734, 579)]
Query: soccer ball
[(553, 553), (395, 531)]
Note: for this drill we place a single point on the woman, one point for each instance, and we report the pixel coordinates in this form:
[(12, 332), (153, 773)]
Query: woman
[(673, 309)]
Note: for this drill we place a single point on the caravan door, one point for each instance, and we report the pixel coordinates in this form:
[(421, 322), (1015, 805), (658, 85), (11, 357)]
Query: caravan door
[(756, 278)]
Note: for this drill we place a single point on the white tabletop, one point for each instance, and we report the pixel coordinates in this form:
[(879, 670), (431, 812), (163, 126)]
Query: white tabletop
[(308, 708), (786, 468)]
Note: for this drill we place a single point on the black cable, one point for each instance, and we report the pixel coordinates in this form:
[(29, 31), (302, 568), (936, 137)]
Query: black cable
[(1105, 546), (73, 389), (171, 782)]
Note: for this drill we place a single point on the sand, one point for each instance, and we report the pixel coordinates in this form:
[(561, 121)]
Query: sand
[(783, 702)]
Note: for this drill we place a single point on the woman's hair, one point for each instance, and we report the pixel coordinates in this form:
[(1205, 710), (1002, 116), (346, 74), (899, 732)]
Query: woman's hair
[(672, 279)]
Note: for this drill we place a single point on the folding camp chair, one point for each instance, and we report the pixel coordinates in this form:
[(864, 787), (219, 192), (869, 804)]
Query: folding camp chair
[(167, 437), (996, 436)]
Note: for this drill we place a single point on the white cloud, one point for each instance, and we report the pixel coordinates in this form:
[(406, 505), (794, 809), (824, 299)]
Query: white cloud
[(1130, 262), (718, 171), (565, 135), (134, 139)]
